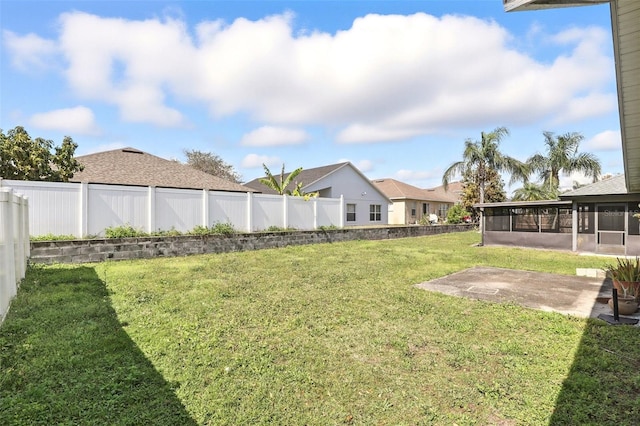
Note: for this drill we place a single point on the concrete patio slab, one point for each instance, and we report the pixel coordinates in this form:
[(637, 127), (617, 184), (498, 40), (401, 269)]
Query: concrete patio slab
[(583, 296)]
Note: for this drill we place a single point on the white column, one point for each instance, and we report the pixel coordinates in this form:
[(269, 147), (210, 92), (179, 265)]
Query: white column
[(342, 210)]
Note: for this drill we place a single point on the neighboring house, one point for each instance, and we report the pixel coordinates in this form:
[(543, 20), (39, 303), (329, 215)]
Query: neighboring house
[(364, 204), (411, 204), (598, 218), (129, 166)]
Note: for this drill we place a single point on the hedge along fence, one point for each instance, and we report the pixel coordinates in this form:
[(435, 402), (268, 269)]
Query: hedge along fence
[(98, 250), (14, 245)]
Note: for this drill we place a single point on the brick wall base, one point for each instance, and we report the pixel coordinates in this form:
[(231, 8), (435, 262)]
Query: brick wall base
[(98, 250)]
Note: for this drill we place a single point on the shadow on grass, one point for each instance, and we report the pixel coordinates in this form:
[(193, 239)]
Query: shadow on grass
[(603, 384), (66, 359)]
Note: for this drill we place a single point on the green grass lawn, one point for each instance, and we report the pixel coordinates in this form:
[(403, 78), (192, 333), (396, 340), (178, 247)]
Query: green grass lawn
[(318, 335)]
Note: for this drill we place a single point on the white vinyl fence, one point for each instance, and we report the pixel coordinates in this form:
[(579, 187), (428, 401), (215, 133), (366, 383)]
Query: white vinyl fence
[(82, 209), (14, 245)]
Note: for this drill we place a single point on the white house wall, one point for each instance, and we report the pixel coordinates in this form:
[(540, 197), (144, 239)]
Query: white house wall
[(356, 190)]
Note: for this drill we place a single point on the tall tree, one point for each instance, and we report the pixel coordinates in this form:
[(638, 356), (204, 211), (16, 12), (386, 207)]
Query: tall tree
[(480, 157), (534, 192), (563, 157), (23, 158), (280, 186), (493, 192), (211, 164)]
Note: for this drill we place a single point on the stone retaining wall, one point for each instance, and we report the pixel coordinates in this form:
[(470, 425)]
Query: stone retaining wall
[(98, 250)]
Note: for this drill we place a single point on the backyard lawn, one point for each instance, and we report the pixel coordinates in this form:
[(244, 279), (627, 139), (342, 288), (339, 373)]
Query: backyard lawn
[(312, 335)]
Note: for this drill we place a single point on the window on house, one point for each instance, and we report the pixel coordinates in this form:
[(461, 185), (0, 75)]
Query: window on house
[(413, 209), (375, 212), (351, 212), (442, 210), (425, 208)]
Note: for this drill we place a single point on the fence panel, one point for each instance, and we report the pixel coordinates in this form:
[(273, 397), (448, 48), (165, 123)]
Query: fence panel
[(229, 207), (267, 211), (300, 213), (60, 214), (110, 206), (14, 246), (328, 212), (88, 209), (180, 209)]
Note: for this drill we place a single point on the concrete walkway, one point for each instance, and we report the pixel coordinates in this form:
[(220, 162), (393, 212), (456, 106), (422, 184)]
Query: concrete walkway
[(572, 295)]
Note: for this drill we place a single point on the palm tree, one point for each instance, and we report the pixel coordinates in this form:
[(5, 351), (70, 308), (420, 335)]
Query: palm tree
[(482, 157), (533, 192), (562, 156), (281, 186)]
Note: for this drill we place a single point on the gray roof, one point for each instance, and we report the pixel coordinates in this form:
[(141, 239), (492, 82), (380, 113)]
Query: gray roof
[(307, 177), (612, 186), (130, 166)]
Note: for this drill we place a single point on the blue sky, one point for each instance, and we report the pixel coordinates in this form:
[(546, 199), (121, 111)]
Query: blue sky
[(395, 87)]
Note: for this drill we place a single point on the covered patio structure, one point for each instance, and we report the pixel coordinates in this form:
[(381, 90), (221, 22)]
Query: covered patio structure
[(601, 218)]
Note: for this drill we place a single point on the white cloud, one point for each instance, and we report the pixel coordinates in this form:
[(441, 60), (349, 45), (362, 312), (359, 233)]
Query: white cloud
[(386, 78), (254, 161), (274, 136), (79, 120), (413, 175), (609, 140), (362, 165), (29, 52)]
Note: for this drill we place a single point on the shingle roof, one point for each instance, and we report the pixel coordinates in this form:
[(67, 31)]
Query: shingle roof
[(396, 190), (612, 186), (307, 177), (129, 166)]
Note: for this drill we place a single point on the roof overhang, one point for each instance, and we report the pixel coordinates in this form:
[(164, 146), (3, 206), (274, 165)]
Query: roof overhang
[(516, 5), (625, 27), (524, 204)]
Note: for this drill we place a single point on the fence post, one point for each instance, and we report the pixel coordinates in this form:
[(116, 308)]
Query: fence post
[(315, 212), (151, 212), (205, 208), (285, 211), (7, 262), (84, 213), (342, 207), (249, 211)]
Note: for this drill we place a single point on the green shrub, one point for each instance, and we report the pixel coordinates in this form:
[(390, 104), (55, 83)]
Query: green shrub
[(223, 228), (274, 228), (217, 228), (457, 214), (123, 231), (52, 237), (173, 232), (328, 227)]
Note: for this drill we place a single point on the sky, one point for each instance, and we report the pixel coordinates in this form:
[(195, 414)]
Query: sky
[(394, 87)]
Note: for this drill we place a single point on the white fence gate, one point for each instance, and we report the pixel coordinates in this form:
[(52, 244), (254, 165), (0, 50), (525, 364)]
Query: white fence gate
[(82, 209), (14, 245)]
